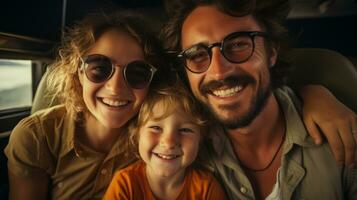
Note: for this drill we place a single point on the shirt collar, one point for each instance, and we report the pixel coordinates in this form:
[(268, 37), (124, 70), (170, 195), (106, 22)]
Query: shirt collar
[(70, 140), (219, 140), (68, 134), (296, 132)]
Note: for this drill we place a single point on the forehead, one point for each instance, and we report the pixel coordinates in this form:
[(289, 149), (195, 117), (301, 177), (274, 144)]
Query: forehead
[(207, 24), (166, 109), (117, 45)]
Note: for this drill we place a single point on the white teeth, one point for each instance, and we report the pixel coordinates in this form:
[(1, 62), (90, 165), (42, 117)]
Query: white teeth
[(166, 157), (114, 103), (228, 92)]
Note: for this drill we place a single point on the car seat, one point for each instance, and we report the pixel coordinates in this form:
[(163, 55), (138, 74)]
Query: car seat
[(328, 68)]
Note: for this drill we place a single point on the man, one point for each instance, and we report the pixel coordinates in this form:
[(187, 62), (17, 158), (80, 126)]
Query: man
[(231, 63)]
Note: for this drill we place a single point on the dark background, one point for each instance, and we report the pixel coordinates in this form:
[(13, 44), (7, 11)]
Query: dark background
[(43, 19)]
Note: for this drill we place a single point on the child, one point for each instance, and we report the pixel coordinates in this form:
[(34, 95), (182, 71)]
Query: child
[(167, 133)]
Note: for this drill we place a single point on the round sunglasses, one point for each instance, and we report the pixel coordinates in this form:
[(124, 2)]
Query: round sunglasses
[(236, 47), (99, 68)]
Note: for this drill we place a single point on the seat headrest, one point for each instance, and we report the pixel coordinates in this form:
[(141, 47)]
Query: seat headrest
[(328, 68)]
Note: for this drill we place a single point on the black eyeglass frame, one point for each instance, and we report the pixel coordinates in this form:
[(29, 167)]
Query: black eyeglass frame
[(208, 48), (84, 65)]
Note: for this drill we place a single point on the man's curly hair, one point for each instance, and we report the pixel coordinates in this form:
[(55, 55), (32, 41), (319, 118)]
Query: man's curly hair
[(270, 14)]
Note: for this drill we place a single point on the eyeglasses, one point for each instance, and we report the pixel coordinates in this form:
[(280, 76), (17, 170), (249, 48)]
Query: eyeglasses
[(237, 47), (99, 68)]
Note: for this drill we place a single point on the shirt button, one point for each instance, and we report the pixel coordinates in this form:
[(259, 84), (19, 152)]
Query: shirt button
[(103, 172), (243, 190)]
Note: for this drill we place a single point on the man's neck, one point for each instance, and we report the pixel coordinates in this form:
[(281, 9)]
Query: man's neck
[(258, 147), (267, 127)]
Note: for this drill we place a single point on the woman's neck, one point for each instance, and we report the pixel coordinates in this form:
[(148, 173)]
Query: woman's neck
[(97, 136), (165, 187)]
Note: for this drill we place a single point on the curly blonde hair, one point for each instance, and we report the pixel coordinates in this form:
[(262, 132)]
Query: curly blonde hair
[(63, 80)]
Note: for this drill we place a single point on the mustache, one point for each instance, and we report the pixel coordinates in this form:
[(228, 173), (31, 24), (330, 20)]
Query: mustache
[(228, 81)]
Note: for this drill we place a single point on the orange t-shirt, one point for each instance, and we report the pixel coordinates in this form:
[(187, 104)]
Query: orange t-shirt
[(131, 183)]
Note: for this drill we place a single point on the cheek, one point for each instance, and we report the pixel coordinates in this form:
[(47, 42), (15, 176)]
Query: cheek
[(88, 93), (262, 54), (142, 148), (140, 96), (261, 64), (192, 146), (145, 143), (258, 64), (194, 81), (259, 55)]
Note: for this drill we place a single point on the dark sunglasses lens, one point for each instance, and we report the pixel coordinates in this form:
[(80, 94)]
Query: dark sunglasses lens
[(138, 74), (99, 68)]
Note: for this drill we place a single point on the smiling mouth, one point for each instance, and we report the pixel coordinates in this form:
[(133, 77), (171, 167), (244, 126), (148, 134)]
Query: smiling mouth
[(227, 92), (114, 103), (166, 157), (228, 87)]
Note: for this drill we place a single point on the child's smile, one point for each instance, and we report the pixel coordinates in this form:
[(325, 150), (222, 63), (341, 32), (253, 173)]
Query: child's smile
[(168, 145), (166, 156)]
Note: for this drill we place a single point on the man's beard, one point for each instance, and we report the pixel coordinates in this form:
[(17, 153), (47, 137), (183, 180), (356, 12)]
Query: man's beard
[(256, 105)]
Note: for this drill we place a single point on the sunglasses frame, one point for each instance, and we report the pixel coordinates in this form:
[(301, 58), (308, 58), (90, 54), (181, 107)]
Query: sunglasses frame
[(220, 45), (84, 66)]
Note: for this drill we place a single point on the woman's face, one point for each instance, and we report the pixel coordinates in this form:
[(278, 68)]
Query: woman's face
[(112, 102)]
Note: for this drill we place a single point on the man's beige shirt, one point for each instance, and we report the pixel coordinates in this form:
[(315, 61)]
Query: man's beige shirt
[(308, 171)]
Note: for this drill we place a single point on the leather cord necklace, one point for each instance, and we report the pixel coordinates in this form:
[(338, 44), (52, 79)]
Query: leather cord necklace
[(270, 163)]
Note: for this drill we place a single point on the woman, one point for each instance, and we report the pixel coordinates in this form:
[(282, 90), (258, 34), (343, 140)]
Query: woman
[(102, 75)]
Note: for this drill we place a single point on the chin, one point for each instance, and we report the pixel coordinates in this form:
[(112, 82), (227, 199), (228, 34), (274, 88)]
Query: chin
[(112, 124), (167, 172)]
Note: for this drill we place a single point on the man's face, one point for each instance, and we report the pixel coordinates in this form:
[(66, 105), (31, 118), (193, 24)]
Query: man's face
[(235, 93)]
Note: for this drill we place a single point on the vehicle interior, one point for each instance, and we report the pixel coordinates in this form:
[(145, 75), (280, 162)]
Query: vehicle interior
[(325, 50)]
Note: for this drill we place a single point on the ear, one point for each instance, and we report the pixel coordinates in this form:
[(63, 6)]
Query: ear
[(274, 49), (80, 74)]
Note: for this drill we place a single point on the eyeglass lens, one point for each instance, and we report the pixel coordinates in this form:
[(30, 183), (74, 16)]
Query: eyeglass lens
[(99, 68), (236, 48), (138, 74)]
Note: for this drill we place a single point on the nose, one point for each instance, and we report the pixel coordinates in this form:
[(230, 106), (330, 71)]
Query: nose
[(169, 140), (116, 82), (219, 67)]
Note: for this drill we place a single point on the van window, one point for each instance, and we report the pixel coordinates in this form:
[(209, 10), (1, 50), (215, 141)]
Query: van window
[(15, 83)]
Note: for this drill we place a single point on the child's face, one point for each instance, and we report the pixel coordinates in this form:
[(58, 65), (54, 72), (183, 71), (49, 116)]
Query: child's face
[(169, 145)]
